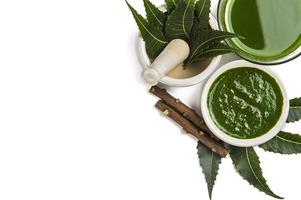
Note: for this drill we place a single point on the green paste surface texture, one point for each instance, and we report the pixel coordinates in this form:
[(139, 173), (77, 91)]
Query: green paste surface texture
[(271, 29), (245, 102)]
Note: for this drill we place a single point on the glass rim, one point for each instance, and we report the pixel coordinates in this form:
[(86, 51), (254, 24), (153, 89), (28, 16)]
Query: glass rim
[(279, 61)]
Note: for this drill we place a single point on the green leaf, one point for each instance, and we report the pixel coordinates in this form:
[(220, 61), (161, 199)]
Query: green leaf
[(284, 143), (203, 39), (247, 164), (171, 5), (202, 9), (154, 15), (180, 21), (152, 35), (295, 110), (209, 162), (215, 50), (199, 25)]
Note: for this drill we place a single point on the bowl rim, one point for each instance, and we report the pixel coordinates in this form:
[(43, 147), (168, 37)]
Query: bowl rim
[(235, 141), (145, 62), (290, 57)]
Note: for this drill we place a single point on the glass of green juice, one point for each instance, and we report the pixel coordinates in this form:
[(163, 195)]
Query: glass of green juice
[(269, 30)]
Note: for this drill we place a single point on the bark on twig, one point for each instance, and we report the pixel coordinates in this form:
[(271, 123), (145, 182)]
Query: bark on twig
[(190, 128), (180, 107)]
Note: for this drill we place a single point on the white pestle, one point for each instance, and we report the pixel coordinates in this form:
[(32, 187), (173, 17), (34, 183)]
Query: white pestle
[(174, 54)]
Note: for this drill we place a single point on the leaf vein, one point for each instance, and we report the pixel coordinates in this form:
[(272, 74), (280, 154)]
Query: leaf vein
[(295, 107), (287, 140), (147, 3), (183, 19), (163, 42), (207, 42), (252, 169), (201, 11)]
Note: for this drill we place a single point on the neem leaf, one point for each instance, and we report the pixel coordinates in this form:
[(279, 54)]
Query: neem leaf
[(154, 15), (171, 4), (215, 50), (295, 110), (180, 21), (152, 35), (202, 9), (209, 162), (284, 143), (247, 164), (203, 39), (200, 25)]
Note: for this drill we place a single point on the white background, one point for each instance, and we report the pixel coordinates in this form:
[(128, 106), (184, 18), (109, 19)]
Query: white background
[(77, 122)]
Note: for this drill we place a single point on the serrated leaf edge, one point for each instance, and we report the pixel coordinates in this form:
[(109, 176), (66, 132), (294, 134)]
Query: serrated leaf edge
[(207, 41), (247, 152), (211, 182), (280, 143), (271, 193), (147, 4), (137, 17), (290, 141)]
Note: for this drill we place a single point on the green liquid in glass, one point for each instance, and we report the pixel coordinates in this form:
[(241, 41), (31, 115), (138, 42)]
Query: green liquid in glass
[(271, 29)]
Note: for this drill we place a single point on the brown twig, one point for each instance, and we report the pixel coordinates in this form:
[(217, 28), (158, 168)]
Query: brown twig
[(180, 107), (192, 129)]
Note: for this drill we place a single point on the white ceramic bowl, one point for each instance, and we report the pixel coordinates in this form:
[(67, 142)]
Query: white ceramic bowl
[(145, 62), (227, 138)]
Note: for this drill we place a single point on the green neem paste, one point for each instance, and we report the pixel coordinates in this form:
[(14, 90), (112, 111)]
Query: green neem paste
[(245, 102), (270, 29)]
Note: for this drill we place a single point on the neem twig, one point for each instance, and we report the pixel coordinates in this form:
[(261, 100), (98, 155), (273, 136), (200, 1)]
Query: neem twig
[(180, 107), (192, 129)]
